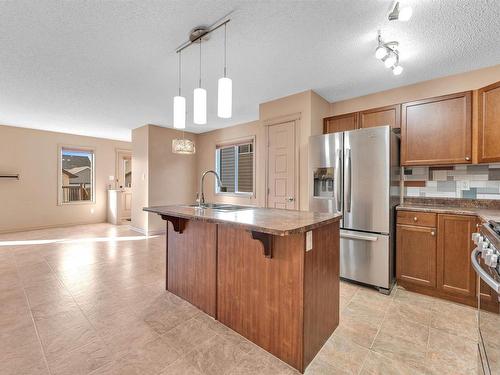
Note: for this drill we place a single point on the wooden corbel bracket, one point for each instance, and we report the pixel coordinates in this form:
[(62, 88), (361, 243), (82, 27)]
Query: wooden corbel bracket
[(177, 222), (267, 242)]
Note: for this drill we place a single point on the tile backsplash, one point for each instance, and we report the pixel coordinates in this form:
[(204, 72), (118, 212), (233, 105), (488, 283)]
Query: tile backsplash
[(457, 181)]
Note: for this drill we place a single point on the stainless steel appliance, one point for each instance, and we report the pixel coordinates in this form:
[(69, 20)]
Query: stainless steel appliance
[(485, 262), (356, 173)]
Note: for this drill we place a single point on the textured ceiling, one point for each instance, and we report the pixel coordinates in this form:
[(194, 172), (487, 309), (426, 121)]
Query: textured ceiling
[(102, 68)]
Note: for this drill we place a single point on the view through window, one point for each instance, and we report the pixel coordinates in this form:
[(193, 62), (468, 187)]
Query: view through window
[(235, 166), (77, 175)]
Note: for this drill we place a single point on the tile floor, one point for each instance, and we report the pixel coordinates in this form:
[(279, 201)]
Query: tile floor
[(91, 300)]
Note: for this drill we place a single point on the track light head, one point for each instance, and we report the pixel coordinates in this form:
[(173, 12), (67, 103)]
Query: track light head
[(390, 60), (381, 52), (400, 14), (397, 70)]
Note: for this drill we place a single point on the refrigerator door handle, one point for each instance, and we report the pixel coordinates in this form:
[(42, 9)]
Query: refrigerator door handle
[(349, 179), (353, 236), (338, 181)]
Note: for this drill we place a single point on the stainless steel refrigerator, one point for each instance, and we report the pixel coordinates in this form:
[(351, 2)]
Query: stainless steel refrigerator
[(356, 173)]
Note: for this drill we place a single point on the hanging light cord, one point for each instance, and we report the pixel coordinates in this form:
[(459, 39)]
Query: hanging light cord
[(225, 48), (180, 72), (200, 65)]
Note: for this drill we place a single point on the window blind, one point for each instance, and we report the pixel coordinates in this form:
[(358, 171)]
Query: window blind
[(228, 168)]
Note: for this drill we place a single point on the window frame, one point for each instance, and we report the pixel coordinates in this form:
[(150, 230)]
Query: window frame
[(235, 143), (60, 200)]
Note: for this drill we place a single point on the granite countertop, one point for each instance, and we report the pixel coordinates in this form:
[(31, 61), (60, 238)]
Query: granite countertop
[(266, 220), (485, 214)]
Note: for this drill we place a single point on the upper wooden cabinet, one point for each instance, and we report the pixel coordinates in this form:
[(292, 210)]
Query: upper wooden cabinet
[(488, 146), (437, 131), (340, 123), (390, 115)]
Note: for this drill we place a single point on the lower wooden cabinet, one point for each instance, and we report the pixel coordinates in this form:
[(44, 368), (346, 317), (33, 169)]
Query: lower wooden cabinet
[(416, 255), (436, 260), (454, 245)]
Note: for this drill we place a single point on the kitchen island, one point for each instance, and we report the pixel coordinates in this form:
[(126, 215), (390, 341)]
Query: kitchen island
[(271, 275)]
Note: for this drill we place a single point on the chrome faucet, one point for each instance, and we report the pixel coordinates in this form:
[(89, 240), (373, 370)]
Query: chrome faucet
[(201, 199)]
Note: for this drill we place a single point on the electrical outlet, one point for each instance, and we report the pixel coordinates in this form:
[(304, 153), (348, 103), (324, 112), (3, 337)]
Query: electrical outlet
[(464, 185), (309, 240)]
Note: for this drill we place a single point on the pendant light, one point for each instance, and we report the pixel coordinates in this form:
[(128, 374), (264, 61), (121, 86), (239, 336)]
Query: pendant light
[(200, 101), (183, 146), (179, 104), (225, 88)]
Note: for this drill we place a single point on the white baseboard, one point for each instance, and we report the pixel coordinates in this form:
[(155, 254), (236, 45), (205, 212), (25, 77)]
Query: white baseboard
[(148, 233)]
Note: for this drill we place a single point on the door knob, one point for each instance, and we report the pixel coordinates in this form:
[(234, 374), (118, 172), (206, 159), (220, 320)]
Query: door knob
[(290, 199)]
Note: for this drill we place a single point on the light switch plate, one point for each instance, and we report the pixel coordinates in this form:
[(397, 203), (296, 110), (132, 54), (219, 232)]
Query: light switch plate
[(309, 240)]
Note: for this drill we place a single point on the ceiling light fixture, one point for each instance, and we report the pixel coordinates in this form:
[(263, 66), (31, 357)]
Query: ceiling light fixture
[(388, 53), (400, 14), (183, 146), (225, 88), (199, 35)]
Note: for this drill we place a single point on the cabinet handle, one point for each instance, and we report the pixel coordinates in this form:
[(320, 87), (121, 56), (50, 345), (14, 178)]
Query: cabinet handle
[(433, 233), (415, 218), (467, 158)]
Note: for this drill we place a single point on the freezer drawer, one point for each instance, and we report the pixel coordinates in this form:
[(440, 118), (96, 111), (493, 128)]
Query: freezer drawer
[(365, 257)]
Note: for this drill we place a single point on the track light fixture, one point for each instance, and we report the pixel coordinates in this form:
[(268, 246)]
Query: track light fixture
[(388, 53), (400, 14)]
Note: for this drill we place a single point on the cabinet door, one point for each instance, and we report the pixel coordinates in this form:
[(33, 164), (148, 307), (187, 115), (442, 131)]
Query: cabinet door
[(390, 115), (489, 124), (340, 123), (416, 255), (455, 274), (437, 131)]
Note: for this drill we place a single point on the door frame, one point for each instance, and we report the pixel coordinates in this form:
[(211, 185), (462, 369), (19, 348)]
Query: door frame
[(295, 118), (118, 153)]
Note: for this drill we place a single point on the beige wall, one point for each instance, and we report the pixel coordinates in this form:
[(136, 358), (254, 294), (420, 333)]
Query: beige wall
[(436, 87), (307, 106), (159, 177), (140, 176), (31, 202)]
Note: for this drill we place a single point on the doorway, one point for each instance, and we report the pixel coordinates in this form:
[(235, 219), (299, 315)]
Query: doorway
[(124, 182)]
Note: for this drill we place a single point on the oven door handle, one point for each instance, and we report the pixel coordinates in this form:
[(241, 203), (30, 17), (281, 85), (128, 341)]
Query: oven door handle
[(482, 273)]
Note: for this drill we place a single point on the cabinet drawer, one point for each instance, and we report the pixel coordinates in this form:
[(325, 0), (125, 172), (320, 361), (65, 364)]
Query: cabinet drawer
[(425, 219)]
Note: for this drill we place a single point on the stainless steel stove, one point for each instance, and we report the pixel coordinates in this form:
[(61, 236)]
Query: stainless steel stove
[(485, 260)]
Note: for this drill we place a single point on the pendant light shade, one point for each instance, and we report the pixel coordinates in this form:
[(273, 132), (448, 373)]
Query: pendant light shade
[(225, 98), (179, 103), (225, 88), (179, 112), (200, 106), (200, 101)]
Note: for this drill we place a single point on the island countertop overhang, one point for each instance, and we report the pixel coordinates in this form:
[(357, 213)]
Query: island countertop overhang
[(273, 221)]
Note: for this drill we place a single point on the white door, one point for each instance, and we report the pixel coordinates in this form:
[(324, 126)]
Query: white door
[(281, 166), (124, 178)]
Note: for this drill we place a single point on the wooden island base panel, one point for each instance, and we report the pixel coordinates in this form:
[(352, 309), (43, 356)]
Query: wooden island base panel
[(251, 271)]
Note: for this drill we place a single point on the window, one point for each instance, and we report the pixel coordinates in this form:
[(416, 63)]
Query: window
[(76, 177), (235, 166)]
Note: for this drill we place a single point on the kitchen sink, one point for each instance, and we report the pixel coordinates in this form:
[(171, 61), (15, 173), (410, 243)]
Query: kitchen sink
[(221, 206)]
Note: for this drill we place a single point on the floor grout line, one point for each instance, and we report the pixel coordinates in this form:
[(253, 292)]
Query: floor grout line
[(33, 320)]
